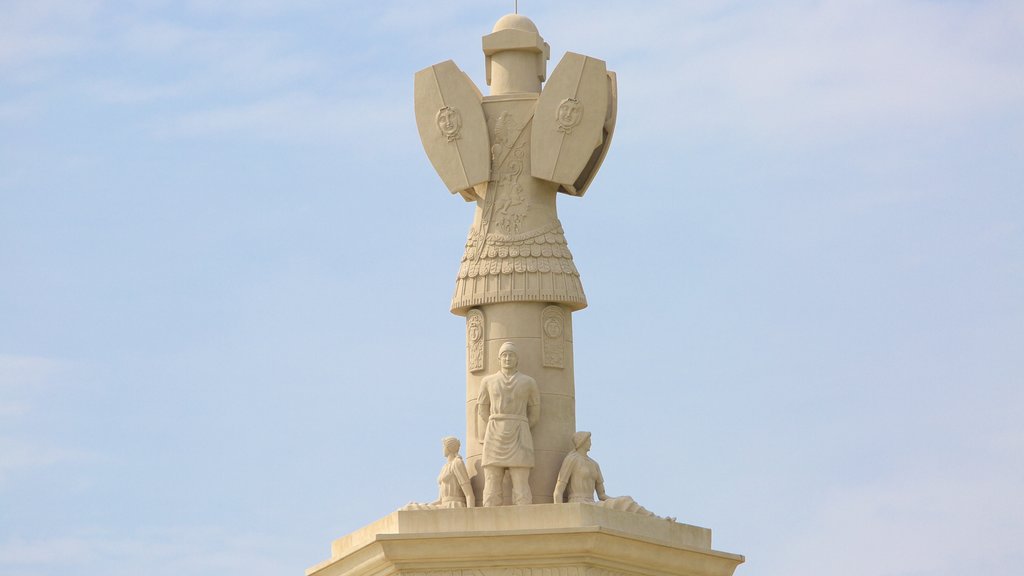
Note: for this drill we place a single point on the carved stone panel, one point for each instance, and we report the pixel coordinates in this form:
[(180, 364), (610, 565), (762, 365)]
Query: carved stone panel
[(452, 127), (569, 123), (552, 323), (475, 339), (510, 205)]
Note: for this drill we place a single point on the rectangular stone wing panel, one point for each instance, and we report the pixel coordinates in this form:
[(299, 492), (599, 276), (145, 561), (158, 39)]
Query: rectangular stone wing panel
[(452, 128), (570, 120)]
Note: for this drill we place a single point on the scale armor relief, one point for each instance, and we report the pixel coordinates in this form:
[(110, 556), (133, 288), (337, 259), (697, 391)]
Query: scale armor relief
[(535, 266)]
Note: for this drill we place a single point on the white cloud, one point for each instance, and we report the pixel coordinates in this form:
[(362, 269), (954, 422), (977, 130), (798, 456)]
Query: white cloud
[(962, 519), (38, 31), (225, 58), (290, 117), (155, 551), (20, 371), (809, 69), (112, 91), (18, 110), (24, 380), (13, 408), (20, 455), (250, 8)]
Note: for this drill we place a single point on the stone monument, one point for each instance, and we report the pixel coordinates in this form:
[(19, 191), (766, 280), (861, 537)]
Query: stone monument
[(511, 153)]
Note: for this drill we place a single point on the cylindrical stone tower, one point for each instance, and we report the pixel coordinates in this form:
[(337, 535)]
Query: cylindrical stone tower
[(517, 281)]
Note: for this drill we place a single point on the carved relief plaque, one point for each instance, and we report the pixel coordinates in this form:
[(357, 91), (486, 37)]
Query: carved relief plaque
[(552, 324), (475, 340), (508, 154)]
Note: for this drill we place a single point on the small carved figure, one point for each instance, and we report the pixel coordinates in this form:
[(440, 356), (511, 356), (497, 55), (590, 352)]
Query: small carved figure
[(508, 406), (454, 490), (582, 476)]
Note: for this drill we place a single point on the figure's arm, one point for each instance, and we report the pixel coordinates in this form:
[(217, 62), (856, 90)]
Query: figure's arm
[(533, 406), (599, 484), (564, 473), (483, 412), (463, 475)]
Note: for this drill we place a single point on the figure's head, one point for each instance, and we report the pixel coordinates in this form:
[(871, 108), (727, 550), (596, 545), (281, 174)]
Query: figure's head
[(581, 441), (451, 445), (508, 356), (515, 55)]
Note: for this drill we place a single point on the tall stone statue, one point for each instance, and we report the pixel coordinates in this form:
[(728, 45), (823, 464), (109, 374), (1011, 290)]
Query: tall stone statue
[(511, 153), (508, 406)]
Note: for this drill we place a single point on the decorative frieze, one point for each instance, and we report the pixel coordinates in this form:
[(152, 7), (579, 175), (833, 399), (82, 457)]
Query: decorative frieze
[(520, 571)]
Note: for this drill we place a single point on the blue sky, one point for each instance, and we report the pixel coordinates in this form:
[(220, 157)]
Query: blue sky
[(226, 263)]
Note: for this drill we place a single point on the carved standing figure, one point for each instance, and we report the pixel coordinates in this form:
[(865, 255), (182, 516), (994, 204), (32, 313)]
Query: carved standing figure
[(507, 407), (582, 476), (512, 153), (454, 490)]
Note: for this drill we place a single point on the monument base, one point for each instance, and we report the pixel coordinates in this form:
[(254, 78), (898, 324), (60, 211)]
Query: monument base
[(538, 540)]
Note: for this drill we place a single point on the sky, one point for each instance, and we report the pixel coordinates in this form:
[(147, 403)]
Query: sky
[(226, 265)]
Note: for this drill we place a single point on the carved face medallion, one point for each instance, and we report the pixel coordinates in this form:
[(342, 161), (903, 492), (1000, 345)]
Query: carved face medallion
[(449, 122), (569, 114), (552, 327)]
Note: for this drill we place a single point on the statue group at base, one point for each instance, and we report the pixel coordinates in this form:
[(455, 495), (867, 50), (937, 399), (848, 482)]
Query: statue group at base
[(579, 473), (508, 407)]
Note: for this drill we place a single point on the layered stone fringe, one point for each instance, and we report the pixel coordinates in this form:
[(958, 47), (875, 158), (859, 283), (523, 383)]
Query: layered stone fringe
[(531, 267)]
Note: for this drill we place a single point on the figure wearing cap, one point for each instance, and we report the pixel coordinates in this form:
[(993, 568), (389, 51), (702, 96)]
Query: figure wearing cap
[(508, 406), (511, 153)]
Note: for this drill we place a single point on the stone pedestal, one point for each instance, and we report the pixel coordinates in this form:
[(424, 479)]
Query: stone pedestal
[(537, 540)]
